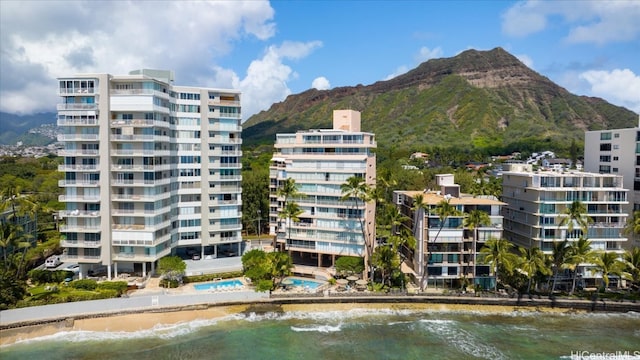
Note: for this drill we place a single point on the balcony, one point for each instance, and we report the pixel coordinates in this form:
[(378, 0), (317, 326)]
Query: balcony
[(77, 137), (78, 213), (142, 243), (217, 101), (91, 167), (78, 198), (134, 257), (63, 107), (117, 123), (140, 212), (140, 138), (139, 152), (91, 259), (78, 183), (219, 152), (78, 152), (140, 182), (77, 122), (140, 198), (80, 244), (139, 167), (80, 228), (75, 91), (140, 227)]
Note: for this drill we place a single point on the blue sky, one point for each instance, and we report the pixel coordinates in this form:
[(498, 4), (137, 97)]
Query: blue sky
[(270, 50)]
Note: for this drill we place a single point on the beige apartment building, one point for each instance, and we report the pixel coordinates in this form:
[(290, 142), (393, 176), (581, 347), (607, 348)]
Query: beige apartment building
[(150, 169), (320, 161)]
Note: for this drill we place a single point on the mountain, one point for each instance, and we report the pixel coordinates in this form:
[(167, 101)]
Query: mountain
[(476, 100), (15, 127)]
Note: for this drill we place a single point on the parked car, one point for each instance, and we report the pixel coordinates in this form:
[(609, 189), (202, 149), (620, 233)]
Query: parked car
[(52, 261), (75, 268)]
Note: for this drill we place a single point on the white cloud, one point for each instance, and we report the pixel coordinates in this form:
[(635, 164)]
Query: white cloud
[(619, 86), (40, 41), (321, 83), (425, 54), (596, 22), (266, 80), (525, 59)]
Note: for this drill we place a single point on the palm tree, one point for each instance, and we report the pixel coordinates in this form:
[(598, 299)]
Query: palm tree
[(558, 259), (497, 253), (291, 212), (632, 262), (281, 265), (579, 252), (575, 214), (386, 259), (633, 225), (533, 261), (357, 189), (287, 190), (608, 264), (473, 221), (8, 240)]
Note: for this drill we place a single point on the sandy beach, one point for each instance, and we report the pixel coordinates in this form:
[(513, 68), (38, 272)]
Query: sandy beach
[(147, 320)]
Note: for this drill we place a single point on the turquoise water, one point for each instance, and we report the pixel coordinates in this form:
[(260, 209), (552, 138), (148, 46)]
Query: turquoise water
[(354, 334), (224, 284), (312, 284)]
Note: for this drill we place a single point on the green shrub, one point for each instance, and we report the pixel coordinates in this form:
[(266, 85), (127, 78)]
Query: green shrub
[(120, 287), (211, 277), (45, 276), (84, 284), (169, 283)]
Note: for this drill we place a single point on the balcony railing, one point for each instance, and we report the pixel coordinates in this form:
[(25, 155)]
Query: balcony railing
[(80, 228), (78, 213), (80, 244), (77, 167), (88, 183), (78, 198), (77, 137), (77, 152), (77, 122), (62, 107)]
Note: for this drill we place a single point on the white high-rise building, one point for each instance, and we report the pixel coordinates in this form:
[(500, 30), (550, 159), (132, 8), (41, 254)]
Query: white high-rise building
[(616, 152), (150, 169), (320, 161), (536, 202)]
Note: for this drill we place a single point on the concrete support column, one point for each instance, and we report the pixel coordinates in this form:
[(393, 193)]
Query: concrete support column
[(109, 272), (144, 269), (319, 260), (153, 267), (115, 270)]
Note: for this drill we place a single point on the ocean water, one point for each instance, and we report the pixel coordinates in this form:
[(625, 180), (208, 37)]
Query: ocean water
[(355, 334)]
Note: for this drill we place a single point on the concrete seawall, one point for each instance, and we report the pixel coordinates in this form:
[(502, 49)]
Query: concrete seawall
[(66, 320)]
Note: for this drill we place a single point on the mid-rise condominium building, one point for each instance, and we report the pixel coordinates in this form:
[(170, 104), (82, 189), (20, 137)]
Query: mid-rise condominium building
[(320, 161), (616, 151), (447, 249), (150, 169), (537, 201)]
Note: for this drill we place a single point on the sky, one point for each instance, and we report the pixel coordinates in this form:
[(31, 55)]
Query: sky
[(269, 50)]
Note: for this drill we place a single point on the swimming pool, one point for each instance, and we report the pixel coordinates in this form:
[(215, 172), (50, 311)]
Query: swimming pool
[(220, 285), (306, 283)]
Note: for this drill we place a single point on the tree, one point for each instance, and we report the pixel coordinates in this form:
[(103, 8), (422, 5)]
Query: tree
[(255, 195), (172, 268), (349, 265), (559, 257), (474, 220), (632, 266), (608, 264), (579, 252), (8, 240), (386, 260), (291, 212), (357, 190), (265, 268), (575, 214), (287, 190), (532, 262), (632, 227), (497, 253)]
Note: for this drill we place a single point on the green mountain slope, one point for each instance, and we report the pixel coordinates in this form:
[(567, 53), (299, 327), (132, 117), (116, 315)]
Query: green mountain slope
[(476, 100)]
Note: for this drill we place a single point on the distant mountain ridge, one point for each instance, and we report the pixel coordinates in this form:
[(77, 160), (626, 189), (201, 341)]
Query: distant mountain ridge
[(477, 99), (14, 128)]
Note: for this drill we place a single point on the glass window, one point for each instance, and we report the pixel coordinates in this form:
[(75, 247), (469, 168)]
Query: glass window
[(605, 147), (605, 136)]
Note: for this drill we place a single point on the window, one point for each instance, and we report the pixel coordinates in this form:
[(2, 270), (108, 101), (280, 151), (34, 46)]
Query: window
[(605, 158), (636, 185), (605, 169), (614, 170), (616, 135), (605, 147), (615, 158), (605, 136)]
